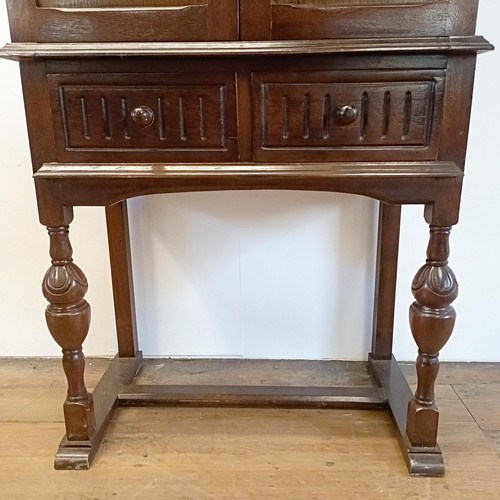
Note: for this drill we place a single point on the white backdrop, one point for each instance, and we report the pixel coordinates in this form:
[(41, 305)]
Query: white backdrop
[(253, 274)]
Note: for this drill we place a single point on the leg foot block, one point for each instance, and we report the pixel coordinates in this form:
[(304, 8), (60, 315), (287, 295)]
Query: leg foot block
[(422, 424), (81, 420)]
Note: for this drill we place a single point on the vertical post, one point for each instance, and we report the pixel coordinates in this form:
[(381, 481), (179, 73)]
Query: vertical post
[(121, 274), (385, 284), (432, 318)]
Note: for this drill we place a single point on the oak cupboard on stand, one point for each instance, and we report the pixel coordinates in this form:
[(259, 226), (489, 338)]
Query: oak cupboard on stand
[(135, 97)]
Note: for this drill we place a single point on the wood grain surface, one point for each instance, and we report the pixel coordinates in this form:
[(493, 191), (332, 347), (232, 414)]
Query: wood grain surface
[(245, 453)]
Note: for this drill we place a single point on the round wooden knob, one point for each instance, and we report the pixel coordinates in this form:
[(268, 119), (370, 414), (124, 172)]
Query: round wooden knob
[(143, 116), (347, 114)]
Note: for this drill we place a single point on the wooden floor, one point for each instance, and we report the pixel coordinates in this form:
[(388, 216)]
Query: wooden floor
[(171, 453)]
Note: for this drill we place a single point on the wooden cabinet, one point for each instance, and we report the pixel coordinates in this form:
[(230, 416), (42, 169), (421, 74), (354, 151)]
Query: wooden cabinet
[(140, 97)]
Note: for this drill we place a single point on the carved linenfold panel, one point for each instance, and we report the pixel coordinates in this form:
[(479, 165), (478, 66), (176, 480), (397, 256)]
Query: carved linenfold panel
[(102, 117), (315, 112)]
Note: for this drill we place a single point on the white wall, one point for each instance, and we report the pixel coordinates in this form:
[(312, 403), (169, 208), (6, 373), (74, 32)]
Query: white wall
[(253, 274)]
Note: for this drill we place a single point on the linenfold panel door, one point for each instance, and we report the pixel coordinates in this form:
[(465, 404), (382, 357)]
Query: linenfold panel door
[(126, 20)]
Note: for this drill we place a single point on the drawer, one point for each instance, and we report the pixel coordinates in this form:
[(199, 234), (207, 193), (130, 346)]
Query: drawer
[(376, 116), (155, 117)]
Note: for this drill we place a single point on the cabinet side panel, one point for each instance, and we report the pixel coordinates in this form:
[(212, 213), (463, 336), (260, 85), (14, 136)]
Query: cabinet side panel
[(38, 113), (457, 108)]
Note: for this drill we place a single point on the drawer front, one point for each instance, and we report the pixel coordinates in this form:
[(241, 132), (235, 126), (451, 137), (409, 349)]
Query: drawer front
[(345, 116), (145, 117)]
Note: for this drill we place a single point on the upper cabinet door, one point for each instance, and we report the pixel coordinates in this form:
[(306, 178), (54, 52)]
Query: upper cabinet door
[(123, 20), (321, 19)]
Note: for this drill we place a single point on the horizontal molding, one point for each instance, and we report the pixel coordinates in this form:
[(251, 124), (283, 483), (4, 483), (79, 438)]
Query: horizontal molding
[(106, 184), (19, 51), (438, 169)]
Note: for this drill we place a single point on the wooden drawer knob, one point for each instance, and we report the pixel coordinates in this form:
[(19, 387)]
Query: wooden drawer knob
[(143, 116), (347, 114)]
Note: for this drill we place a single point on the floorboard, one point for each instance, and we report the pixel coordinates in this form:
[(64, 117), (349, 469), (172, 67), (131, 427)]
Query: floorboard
[(232, 453)]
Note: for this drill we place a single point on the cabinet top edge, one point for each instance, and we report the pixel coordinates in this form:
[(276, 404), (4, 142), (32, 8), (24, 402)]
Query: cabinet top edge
[(19, 51)]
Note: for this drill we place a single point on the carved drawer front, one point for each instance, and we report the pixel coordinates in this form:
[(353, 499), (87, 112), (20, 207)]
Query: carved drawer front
[(159, 117), (336, 115)]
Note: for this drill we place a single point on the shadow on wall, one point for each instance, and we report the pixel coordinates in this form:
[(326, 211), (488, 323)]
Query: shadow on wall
[(265, 274)]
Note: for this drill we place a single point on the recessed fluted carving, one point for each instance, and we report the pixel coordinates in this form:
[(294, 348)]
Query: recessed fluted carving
[(108, 118), (68, 319), (432, 318)]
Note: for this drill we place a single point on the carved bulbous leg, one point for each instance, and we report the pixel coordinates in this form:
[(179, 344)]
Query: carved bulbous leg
[(68, 319), (432, 319)]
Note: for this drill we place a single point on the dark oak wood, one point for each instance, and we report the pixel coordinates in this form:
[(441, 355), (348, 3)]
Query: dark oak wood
[(395, 115), (317, 19), (123, 281), (432, 318), (68, 318), (353, 96), (121, 21), (253, 396), (391, 182), (193, 116), (385, 280), (413, 45)]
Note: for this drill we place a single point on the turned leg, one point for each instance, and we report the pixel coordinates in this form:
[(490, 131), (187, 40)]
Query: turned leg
[(432, 318), (68, 319)]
